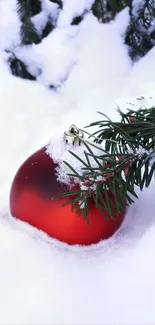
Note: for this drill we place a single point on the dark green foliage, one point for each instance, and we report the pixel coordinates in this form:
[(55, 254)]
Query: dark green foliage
[(29, 34), (19, 69), (53, 87), (48, 28), (128, 147), (35, 6), (100, 10), (140, 35), (58, 2), (77, 20), (106, 10)]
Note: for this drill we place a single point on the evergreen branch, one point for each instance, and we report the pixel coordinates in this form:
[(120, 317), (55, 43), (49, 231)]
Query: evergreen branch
[(96, 138), (28, 31), (129, 160)]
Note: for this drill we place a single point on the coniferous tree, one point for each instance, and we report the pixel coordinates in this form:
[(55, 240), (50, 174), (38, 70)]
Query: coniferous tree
[(140, 35), (106, 10), (29, 33)]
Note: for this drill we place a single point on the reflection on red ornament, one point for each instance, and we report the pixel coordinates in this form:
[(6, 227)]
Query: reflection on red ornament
[(31, 201)]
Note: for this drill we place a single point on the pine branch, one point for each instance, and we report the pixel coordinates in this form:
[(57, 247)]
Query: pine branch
[(127, 160), (29, 33)]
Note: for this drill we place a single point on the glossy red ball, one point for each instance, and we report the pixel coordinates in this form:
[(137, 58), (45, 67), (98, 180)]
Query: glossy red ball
[(30, 200)]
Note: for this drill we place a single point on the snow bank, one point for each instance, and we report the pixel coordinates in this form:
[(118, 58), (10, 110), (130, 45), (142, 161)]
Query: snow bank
[(9, 25)]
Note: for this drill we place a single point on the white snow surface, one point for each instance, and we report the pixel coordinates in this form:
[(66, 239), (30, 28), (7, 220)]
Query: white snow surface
[(43, 281), (58, 150)]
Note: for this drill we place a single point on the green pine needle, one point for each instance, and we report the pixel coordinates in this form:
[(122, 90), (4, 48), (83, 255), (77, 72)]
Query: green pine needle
[(120, 167), (28, 31)]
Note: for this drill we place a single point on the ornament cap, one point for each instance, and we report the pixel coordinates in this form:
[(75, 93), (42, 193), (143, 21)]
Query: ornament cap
[(74, 135)]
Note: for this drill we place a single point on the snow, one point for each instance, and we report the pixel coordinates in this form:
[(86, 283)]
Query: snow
[(58, 150), (136, 6), (9, 28), (73, 9), (49, 10), (42, 280), (51, 60)]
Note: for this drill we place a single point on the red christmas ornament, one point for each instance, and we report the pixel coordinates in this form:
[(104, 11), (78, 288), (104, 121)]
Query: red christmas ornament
[(31, 201)]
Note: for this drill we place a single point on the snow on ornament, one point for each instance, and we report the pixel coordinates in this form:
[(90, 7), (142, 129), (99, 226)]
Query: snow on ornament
[(43, 177)]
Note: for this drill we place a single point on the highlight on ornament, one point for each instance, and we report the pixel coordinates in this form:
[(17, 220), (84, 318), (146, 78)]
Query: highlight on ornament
[(77, 188)]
